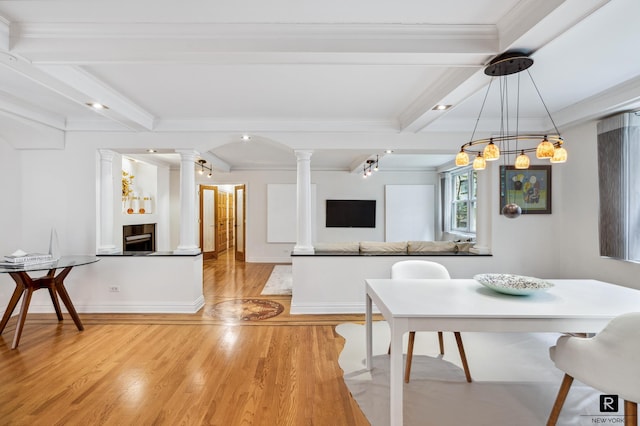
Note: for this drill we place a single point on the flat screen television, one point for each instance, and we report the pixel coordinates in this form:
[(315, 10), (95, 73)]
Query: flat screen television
[(351, 213)]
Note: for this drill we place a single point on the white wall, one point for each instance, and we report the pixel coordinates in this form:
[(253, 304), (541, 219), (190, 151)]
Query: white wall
[(54, 191), (329, 185), (576, 246), (10, 217)]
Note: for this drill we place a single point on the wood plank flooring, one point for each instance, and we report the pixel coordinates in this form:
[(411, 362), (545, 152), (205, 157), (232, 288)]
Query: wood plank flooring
[(180, 369)]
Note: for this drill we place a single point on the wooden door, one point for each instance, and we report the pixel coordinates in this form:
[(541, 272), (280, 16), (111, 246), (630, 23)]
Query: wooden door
[(240, 221), (208, 220), (223, 221)]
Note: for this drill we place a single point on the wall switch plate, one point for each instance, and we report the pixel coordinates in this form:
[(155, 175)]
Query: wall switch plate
[(114, 289)]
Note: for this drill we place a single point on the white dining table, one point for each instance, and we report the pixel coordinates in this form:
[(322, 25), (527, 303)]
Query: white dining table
[(570, 306)]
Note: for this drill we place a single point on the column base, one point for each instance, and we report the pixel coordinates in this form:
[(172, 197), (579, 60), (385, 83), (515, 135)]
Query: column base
[(480, 250), (303, 250), (187, 250), (107, 250)]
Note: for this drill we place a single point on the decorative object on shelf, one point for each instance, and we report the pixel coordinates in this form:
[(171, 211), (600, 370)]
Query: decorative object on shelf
[(370, 166), (510, 142), (127, 184), (525, 191), (146, 204), (202, 163), (127, 190), (135, 203), (516, 285)]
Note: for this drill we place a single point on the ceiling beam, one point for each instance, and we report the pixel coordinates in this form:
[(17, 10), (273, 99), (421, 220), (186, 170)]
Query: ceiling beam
[(420, 113), (253, 43), (120, 108), (80, 87), (529, 26), (624, 96), (17, 107)]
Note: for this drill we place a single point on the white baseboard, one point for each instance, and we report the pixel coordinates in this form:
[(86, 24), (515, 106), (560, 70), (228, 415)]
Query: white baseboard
[(284, 259), (333, 308), (125, 308)]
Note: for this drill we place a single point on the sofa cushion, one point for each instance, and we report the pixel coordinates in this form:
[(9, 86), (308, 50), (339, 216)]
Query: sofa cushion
[(383, 247), (464, 246), (431, 246), (346, 247)]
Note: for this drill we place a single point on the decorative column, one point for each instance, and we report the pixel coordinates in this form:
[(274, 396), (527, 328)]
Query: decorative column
[(304, 244), (484, 202), (107, 194), (187, 203)]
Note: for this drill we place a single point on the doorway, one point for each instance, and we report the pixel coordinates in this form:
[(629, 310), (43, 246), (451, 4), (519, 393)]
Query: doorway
[(218, 220), (240, 221)]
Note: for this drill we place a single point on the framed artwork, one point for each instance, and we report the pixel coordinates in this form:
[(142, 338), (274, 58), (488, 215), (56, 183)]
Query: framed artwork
[(530, 188)]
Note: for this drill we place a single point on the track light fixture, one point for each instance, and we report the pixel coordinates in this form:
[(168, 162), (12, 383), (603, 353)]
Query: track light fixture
[(370, 166), (202, 163)]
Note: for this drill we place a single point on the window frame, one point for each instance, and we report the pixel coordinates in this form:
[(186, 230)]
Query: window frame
[(471, 201)]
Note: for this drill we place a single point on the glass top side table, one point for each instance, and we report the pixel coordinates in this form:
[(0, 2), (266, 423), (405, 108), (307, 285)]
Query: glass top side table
[(52, 282)]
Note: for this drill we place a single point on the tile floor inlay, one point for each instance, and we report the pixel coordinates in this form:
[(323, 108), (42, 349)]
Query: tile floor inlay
[(245, 310)]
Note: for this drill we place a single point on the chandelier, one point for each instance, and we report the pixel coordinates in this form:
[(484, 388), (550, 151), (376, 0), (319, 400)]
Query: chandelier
[(510, 143)]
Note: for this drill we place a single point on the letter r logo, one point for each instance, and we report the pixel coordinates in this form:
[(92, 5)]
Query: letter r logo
[(608, 403)]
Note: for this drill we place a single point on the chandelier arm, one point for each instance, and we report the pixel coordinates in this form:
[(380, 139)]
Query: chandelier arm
[(543, 103), (481, 109)]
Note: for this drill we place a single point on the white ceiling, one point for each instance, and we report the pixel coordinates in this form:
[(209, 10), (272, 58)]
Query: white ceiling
[(345, 79)]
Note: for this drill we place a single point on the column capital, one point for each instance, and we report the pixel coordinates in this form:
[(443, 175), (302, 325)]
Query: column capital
[(106, 154), (304, 154), (187, 154)]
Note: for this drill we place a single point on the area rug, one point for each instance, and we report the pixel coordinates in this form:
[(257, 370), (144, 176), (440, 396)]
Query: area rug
[(245, 310), (279, 282), (514, 381)]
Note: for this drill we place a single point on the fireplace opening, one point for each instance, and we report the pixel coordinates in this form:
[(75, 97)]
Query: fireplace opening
[(139, 237)]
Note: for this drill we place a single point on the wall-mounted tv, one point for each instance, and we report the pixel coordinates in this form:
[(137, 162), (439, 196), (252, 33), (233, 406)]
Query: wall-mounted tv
[(351, 213)]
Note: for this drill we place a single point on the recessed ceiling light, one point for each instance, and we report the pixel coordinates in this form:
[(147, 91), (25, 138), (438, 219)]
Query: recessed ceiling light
[(97, 105), (245, 137), (151, 150), (441, 107), (388, 151)]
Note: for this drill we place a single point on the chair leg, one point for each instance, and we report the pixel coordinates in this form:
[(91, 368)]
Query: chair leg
[(441, 342), (407, 369), (562, 395), (630, 413), (463, 356)]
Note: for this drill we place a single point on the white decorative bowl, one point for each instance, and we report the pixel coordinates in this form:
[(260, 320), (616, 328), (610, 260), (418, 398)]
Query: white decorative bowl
[(517, 285)]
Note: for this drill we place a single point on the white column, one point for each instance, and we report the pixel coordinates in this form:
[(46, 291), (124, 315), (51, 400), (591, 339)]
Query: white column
[(187, 243), (107, 196), (304, 245), (483, 213)]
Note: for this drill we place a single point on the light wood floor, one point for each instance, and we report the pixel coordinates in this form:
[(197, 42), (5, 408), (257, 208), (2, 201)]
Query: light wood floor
[(179, 369)]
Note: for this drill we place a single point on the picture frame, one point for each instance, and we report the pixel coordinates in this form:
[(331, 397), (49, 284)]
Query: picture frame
[(529, 188)]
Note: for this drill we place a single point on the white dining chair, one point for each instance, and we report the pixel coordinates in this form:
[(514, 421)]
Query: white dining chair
[(421, 269), (608, 362)]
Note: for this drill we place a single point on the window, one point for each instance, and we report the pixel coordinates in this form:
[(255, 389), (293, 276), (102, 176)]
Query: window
[(463, 201)]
